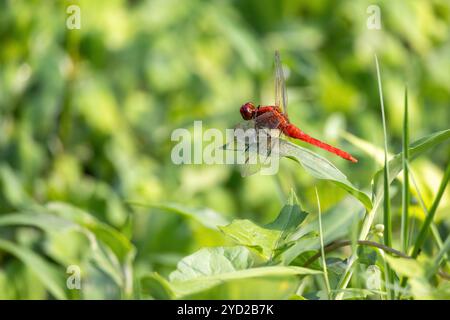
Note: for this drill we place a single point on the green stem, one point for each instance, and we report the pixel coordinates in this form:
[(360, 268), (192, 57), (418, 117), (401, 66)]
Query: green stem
[(344, 243), (324, 263), (405, 190), (386, 200)]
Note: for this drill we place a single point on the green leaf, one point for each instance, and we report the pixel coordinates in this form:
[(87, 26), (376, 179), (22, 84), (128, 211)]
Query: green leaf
[(247, 233), (321, 168), (269, 238), (357, 293), (430, 215), (313, 163), (297, 297), (50, 277), (387, 219), (369, 148), (210, 261), (115, 240), (416, 149), (290, 217), (206, 217), (54, 224), (123, 249), (48, 223), (439, 257), (259, 288), (367, 255), (11, 188), (156, 286), (210, 267), (336, 222), (417, 271), (406, 267)]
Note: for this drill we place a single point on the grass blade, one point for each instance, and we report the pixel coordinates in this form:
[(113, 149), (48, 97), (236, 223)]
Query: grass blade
[(386, 201), (386, 181), (416, 149), (428, 224), (429, 218), (440, 256), (324, 263), (51, 276), (433, 228), (405, 190)]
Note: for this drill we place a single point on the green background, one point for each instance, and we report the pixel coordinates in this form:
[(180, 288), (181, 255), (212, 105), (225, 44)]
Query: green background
[(86, 116)]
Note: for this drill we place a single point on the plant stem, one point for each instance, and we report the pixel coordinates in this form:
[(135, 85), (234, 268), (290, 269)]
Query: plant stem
[(405, 190), (324, 263), (344, 243)]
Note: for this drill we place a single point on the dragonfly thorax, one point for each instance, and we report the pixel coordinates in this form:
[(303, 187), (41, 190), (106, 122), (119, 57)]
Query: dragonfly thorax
[(248, 111)]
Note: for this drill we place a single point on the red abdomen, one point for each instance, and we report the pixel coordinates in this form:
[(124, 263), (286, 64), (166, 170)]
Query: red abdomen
[(294, 132)]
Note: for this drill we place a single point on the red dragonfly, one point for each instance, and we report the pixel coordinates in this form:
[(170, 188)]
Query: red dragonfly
[(276, 117)]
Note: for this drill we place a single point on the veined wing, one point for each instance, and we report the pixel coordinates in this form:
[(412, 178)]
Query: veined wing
[(281, 99), (253, 140), (268, 120)]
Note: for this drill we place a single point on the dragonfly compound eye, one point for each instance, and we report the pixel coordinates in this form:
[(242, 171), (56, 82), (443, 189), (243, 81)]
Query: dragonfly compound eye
[(247, 111)]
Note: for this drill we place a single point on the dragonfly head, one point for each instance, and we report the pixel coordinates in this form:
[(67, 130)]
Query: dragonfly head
[(247, 111)]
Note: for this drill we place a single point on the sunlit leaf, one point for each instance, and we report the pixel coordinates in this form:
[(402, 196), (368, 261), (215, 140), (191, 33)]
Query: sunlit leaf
[(210, 267), (270, 237), (336, 223)]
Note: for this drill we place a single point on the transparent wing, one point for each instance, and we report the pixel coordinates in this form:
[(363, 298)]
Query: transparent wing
[(257, 156), (249, 169), (252, 152), (281, 99), (267, 120)]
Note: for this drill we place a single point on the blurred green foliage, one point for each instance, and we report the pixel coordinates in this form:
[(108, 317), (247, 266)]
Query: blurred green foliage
[(86, 118)]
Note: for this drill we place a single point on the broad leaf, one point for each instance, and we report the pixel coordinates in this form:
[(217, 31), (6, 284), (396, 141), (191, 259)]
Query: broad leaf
[(210, 267), (406, 267), (321, 168), (211, 261), (290, 217), (269, 238), (336, 223), (248, 233)]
